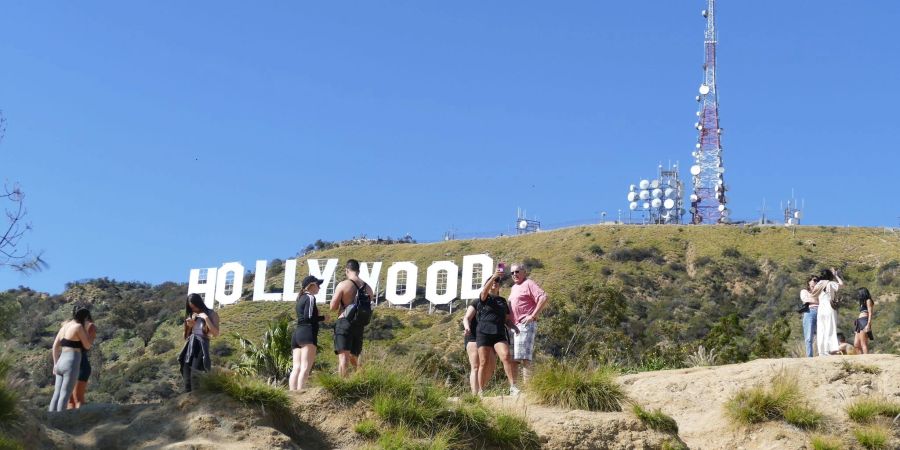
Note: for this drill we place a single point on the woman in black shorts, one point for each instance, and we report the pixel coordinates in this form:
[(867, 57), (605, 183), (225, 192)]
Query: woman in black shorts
[(84, 371), (492, 315), (864, 321), (306, 335), (470, 324)]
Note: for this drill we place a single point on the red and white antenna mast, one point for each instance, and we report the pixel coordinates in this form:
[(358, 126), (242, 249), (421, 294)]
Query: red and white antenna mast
[(708, 202)]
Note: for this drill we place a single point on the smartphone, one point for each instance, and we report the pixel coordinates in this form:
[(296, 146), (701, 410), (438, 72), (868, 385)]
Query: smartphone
[(501, 267)]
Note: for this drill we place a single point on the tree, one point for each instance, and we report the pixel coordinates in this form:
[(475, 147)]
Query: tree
[(11, 252)]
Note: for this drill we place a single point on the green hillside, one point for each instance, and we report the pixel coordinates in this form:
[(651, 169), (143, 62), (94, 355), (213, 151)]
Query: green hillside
[(640, 298)]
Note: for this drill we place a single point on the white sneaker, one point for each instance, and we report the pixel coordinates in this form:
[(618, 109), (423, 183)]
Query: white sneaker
[(514, 391)]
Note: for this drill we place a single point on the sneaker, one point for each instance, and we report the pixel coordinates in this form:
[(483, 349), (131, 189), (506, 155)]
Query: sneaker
[(514, 391)]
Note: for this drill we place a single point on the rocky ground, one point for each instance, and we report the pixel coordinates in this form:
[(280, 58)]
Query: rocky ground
[(693, 397)]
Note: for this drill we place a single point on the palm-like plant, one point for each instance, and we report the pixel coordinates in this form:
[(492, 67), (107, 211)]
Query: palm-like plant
[(271, 359)]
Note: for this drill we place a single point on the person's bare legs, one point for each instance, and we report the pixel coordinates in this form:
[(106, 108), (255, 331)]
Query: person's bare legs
[(509, 366), (343, 362), (862, 342), (307, 359), (472, 352), (295, 371), (77, 398), (485, 356)]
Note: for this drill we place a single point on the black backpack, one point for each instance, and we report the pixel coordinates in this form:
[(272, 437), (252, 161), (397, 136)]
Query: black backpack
[(360, 313)]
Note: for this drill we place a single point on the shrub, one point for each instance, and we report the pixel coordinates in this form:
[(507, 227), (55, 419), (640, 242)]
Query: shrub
[(731, 252), (9, 444), (782, 400), (161, 346), (512, 431), (656, 419), (702, 261), (576, 388), (272, 359), (9, 400), (532, 263), (866, 409), (596, 250), (819, 442), (637, 254), (873, 437), (367, 429), (244, 389)]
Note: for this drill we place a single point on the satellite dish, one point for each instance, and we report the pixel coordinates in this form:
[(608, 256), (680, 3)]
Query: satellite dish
[(721, 207), (697, 125), (704, 89), (644, 184), (656, 203), (632, 196), (632, 206), (523, 224), (669, 203), (669, 192), (797, 215), (695, 170), (644, 195), (697, 98), (790, 221), (654, 184), (657, 193), (698, 113), (646, 205), (725, 213), (705, 13), (693, 210), (632, 187), (698, 145), (694, 197)]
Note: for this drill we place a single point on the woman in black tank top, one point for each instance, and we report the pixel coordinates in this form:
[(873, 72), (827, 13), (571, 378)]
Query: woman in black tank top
[(863, 323)]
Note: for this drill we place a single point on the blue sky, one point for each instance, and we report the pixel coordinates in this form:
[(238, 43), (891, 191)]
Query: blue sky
[(153, 137)]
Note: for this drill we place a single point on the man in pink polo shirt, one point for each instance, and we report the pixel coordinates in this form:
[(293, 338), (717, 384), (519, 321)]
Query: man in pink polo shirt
[(526, 300)]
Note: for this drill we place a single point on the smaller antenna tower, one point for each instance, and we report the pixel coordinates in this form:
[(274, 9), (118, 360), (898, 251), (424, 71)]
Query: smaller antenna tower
[(661, 200), (793, 212), (525, 225)]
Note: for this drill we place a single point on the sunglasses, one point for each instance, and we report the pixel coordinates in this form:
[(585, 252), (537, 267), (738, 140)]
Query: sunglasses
[(516, 271)]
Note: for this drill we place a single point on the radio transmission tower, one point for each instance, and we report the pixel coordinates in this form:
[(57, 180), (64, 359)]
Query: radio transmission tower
[(708, 202)]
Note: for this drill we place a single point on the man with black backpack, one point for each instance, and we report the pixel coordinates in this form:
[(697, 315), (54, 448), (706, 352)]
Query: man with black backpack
[(353, 297)]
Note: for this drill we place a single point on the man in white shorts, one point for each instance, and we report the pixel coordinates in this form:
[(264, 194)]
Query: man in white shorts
[(526, 300)]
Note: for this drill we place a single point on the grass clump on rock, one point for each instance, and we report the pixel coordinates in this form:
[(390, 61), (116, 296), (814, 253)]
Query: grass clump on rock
[(571, 387), (781, 401), (247, 390), (819, 442), (865, 410), (873, 437), (367, 429), (656, 419)]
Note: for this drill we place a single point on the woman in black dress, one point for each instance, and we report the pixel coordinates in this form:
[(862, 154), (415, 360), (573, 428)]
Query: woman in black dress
[(306, 335)]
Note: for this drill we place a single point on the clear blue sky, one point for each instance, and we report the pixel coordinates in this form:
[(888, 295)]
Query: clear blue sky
[(153, 137)]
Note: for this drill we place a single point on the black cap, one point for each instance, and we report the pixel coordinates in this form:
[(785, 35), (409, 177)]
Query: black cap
[(311, 279)]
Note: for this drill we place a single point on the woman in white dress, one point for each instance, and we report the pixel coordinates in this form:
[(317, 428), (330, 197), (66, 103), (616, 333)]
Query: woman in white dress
[(826, 320)]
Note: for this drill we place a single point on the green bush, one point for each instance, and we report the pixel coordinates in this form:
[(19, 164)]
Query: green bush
[(866, 409), (656, 419), (873, 437), (272, 359), (9, 399), (7, 443), (576, 388), (782, 401), (851, 368), (819, 442), (512, 431), (244, 389)]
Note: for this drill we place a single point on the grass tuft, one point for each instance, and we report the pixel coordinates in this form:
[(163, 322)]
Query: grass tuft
[(782, 400), (246, 390), (367, 429), (820, 442), (673, 444), (512, 431), (864, 410), (656, 419), (366, 383), (873, 437), (853, 368), (9, 399), (576, 388)]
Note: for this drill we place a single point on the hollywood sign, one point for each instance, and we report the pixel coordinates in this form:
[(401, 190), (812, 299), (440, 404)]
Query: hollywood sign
[(442, 280)]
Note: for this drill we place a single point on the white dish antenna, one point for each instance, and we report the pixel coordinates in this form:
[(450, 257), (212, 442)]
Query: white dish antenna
[(669, 192), (694, 197), (669, 203), (523, 224), (646, 205), (704, 89), (654, 184), (632, 196), (797, 215), (645, 194), (633, 206), (722, 208), (644, 184), (695, 170), (657, 193), (698, 145), (632, 188), (656, 203)]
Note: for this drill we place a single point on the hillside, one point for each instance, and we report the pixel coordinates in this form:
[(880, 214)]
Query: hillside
[(638, 299)]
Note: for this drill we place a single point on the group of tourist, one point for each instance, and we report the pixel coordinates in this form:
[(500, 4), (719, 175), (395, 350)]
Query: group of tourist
[(820, 319)]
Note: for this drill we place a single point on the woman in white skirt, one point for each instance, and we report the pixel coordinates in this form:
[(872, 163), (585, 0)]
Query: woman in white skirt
[(826, 320)]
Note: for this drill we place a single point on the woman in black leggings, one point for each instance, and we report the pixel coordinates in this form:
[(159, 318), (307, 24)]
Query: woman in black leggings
[(200, 324), (70, 341)]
